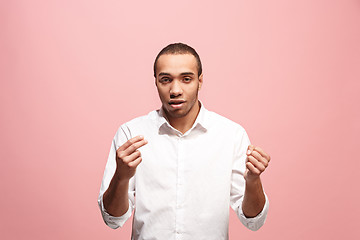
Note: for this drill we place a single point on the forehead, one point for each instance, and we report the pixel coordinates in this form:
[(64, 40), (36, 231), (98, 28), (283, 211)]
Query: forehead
[(176, 64)]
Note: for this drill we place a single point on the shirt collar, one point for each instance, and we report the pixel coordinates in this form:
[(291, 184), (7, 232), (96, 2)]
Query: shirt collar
[(201, 121)]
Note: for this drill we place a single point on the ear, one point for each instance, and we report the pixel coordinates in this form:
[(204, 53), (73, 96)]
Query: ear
[(200, 81)]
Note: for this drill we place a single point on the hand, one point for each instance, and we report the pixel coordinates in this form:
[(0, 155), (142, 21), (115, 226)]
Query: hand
[(256, 162), (128, 157)]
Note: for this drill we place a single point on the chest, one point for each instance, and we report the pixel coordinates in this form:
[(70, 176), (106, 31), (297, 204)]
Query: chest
[(193, 161)]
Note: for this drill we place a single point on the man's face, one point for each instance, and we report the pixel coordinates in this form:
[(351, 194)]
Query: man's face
[(178, 83)]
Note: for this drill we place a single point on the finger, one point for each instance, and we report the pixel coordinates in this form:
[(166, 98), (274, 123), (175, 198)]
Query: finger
[(260, 158), (133, 147), (250, 149), (129, 142), (131, 157), (263, 153), (256, 163), (252, 168), (135, 163)]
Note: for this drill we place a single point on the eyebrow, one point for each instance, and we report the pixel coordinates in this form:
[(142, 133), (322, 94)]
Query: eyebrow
[(187, 73), (164, 74), (182, 74)]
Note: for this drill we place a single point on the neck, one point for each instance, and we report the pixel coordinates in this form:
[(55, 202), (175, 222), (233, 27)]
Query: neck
[(183, 124)]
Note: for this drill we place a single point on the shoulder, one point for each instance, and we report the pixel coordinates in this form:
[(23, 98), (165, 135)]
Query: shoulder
[(145, 119), (225, 128), (219, 121), (137, 125)]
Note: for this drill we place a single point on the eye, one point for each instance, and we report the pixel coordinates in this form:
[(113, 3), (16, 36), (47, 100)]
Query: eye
[(187, 79), (165, 80)]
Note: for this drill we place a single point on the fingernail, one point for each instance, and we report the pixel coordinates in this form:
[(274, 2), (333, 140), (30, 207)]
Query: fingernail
[(248, 151)]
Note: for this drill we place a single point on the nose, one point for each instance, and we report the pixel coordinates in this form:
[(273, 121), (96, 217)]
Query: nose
[(175, 89)]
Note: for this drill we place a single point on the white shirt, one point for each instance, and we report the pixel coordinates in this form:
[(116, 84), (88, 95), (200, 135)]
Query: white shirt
[(185, 183)]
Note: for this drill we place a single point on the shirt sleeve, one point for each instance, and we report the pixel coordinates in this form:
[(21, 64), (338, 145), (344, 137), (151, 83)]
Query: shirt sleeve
[(238, 184), (256, 222), (120, 138)]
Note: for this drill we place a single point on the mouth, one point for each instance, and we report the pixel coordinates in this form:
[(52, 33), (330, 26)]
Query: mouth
[(176, 103)]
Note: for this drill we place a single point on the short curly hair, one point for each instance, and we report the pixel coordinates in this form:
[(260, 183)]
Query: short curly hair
[(179, 48)]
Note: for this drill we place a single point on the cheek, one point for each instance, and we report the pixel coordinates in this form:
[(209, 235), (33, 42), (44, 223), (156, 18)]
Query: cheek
[(162, 92), (193, 91)]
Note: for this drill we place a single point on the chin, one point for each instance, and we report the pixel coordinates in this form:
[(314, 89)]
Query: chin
[(178, 114)]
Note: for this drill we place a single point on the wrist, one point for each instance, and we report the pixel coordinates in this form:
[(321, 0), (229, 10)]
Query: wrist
[(120, 178), (253, 182), (252, 179)]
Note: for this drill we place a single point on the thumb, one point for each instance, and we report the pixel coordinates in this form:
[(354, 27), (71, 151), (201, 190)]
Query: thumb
[(250, 149)]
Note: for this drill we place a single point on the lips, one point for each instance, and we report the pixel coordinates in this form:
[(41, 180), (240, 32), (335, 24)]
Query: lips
[(176, 103)]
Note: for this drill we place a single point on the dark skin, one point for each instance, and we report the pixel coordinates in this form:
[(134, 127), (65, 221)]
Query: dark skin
[(177, 80), (254, 198), (128, 158)]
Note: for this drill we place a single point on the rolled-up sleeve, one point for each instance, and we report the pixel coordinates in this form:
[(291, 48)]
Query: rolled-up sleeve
[(254, 223), (111, 221), (115, 222)]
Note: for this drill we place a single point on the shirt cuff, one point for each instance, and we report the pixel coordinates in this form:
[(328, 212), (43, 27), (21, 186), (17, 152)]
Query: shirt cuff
[(111, 221), (254, 223)]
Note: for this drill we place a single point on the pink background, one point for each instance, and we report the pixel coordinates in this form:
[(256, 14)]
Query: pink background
[(73, 71)]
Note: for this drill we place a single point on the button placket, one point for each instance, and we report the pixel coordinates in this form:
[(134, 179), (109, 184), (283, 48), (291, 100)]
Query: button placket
[(179, 187)]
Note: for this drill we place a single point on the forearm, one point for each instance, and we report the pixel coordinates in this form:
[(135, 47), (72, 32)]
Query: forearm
[(254, 198), (115, 199)]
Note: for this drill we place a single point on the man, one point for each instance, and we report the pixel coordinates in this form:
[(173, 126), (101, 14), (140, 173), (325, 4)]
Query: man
[(182, 167)]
